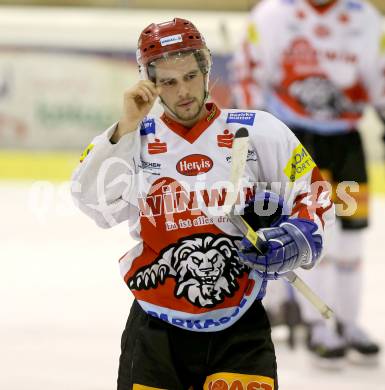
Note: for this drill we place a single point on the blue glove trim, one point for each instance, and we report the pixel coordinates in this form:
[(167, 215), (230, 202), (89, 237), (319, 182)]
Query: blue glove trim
[(309, 244), (288, 246)]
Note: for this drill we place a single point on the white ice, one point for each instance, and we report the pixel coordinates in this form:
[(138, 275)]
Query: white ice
[(63, 304)]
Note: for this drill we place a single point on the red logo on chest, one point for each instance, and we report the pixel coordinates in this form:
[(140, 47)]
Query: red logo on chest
[(225, 140), (157, 147), (322, 31), (194, 164)]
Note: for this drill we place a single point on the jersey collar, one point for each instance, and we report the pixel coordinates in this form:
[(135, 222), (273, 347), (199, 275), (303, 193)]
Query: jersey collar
[(193, 133), (322, 10)]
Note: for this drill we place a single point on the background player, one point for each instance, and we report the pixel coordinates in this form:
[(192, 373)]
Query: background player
[(316, 65)]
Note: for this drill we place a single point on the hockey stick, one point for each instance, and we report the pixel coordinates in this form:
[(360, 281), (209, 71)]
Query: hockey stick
[(238, 164)]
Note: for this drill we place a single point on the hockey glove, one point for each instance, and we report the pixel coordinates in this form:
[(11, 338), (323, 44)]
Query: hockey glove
[(290, 245)]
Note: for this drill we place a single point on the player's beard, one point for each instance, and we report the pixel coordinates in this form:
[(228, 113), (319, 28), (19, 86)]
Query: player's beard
[(187, 116), (194, 112)]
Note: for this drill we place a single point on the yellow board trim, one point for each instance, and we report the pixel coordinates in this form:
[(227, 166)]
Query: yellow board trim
[(59, 166), (52, 166), (142, 387)]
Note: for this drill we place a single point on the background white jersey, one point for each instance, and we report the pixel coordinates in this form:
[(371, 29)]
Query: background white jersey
[(170, 183), (313, 69)]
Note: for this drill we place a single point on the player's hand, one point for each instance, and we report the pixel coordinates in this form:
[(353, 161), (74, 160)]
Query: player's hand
[(290, 245), (137, 103)]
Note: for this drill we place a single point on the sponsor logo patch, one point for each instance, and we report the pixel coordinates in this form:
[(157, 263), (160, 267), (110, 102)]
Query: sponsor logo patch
[(252, 34), (147, 127), (299, 164), (199, 324), (171, 39), (150, 167), (234, 381), (251, 156), (322, 31), (301, 14), (225, 140), (354, 5), (194, 164), (157, 147), (344, 18), (244, 118), (382, 44)]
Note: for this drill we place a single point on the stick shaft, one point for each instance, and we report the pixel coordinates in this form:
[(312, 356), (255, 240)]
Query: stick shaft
[(238, 163), (309, 294)]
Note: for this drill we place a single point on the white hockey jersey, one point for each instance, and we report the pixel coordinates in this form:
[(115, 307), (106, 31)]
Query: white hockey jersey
[(313, 70), (170, 182)]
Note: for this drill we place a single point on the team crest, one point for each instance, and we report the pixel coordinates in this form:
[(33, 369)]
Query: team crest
[(205, 268)]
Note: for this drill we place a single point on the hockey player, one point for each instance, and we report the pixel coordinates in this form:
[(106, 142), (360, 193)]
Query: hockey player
[(316, 65), (197, 318)]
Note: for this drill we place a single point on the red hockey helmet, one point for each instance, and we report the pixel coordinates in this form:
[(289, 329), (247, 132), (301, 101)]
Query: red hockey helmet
[(174, 36)]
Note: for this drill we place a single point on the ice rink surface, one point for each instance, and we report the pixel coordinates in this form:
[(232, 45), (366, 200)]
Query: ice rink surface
[(63, 304)]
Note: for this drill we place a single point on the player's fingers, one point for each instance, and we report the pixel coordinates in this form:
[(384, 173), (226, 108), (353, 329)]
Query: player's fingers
[(142, 94), (147, 93), (151, 86), (155, 90), (150, 92)]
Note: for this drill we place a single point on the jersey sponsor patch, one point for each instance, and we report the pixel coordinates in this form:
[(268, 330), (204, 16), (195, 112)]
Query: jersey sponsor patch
[(157, 147), (382, 44), (86, 152), (299, 164), (216, 323), (243, 118), (171, 39), (147, 127), (252, 34), (354, 5), (322, 31), (225, 140), (194, 164), (251, 156), (150, 167), (235, 381)]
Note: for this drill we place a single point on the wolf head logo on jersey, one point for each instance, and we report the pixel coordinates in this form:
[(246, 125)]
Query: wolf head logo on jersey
[(205, 268)]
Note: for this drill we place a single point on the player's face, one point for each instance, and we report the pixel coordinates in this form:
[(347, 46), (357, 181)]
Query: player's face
[(182, 87)]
